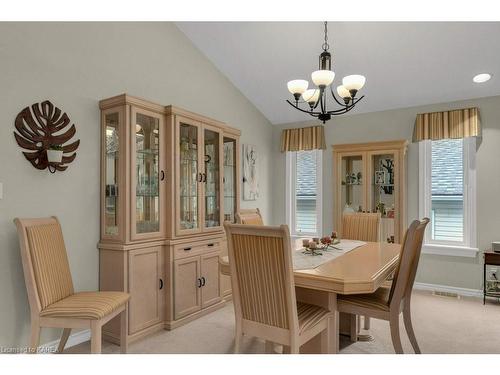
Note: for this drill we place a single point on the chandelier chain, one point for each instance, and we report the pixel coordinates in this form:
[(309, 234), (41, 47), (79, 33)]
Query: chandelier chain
[(326, 46)]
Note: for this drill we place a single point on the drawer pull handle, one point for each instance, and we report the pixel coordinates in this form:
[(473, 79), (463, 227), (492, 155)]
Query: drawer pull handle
[(210, 245), (161, 284), (187, 248), (199, 283), (203, 281)]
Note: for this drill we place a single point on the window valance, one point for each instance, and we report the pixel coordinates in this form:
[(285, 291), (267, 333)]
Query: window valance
[(459, 123), (302, 139)]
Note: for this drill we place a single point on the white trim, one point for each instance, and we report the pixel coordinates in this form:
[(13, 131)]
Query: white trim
[(468, 248), (290, 178), (457, 251), (74, 339), (466, 292)]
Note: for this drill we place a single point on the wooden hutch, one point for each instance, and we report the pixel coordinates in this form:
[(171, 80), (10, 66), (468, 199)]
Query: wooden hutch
[(169, 179), (371, 177)]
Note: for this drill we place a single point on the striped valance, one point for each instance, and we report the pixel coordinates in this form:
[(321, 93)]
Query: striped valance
[(301, 139), (460, 123)]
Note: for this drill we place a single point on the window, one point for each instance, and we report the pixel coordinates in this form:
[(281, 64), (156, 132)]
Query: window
[(303, 192), (448, 194)]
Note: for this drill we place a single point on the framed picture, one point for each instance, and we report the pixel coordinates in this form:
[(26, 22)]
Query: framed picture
[(379, 177), (250, 173)]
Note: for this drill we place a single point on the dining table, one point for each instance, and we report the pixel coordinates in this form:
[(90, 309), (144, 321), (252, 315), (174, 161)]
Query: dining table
[(358, 271)]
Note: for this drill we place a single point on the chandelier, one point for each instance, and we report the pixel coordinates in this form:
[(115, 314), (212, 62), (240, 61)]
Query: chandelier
[(323, 78)]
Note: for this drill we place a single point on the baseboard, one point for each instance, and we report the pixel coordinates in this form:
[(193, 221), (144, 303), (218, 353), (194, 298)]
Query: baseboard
[(74, 339), (449, 289)]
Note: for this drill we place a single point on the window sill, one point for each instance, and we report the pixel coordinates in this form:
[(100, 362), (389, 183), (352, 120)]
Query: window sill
[(447, 250)]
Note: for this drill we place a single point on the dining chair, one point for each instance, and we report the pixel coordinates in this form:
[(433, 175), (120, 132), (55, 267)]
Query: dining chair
[(249, 216), (361, 226), (260, 259), (388, 303), (53, 302)]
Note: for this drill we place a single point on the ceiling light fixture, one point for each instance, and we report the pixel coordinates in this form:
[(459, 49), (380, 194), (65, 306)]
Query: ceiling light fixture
[(322, 78), (480, 78)]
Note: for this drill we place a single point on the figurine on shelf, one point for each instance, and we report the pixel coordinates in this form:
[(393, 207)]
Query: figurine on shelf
[(359, 175), (389, 166), (348, 209), (381, 208)]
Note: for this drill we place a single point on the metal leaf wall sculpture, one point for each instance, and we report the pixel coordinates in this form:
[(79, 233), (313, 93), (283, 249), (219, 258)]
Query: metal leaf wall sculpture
[(39, 128)]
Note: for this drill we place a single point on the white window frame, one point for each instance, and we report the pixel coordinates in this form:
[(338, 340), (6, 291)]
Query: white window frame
[(468, 248), (290, 203)]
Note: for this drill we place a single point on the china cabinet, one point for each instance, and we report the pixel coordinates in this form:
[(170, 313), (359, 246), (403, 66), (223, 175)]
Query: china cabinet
[(169, 179), (371, 177)]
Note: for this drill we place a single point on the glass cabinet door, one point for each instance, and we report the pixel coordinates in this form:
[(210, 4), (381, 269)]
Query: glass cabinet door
[(352, 177), (383, 190), (111, 168), (189, 176), (229, 179), (146, 138), (212, 177)]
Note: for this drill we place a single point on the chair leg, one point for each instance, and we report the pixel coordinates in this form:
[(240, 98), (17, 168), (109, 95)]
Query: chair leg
[(409, 327), (95, 339), (396, 339), (366, 322), (270, 347), (294, 348), (35, 336), (124, 331), (237, 338), (64, 339)]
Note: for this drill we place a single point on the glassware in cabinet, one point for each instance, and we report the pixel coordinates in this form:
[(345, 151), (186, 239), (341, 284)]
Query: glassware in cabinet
[(229, 179), (212, 178)]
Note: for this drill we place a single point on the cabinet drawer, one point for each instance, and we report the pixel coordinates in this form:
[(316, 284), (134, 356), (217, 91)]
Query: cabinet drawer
[(188, 249)]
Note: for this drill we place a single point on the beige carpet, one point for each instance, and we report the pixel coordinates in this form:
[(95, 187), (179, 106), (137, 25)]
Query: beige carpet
[(442, 325)]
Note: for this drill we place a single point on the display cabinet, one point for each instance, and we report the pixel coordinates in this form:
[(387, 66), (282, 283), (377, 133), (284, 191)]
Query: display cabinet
[(169, 179), (371, 177)]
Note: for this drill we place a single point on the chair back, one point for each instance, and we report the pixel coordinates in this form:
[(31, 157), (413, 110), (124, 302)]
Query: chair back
[(249, 216), (361, 226), (404, 276), (45, 262), (260, 259)]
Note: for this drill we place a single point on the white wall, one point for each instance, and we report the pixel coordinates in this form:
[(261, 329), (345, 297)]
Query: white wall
[(398, 124), (75, 65)]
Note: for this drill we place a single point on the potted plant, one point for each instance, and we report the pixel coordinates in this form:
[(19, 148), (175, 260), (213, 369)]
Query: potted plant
[(55, 153)]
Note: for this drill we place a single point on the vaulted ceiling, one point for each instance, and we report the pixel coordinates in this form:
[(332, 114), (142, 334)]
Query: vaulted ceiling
[(406, 64)]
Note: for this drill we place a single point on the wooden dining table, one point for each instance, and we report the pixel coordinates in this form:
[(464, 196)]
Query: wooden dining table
[(359, 271)]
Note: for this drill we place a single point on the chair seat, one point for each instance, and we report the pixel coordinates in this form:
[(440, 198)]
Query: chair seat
[(310, 315), (379, 300), (86, 305)]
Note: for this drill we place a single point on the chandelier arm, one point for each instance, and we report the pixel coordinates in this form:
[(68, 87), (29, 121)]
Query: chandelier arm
[(315, 114), (319, 99), (346, 109)]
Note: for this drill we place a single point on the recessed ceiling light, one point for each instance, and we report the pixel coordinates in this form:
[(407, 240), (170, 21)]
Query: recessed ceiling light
[(480, 78)]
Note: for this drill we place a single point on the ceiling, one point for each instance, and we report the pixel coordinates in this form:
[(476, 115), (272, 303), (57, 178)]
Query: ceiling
[(405, 64)]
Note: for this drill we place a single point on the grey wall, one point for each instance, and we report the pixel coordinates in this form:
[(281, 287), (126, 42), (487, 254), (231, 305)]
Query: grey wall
[(75, 65), (398, 124)]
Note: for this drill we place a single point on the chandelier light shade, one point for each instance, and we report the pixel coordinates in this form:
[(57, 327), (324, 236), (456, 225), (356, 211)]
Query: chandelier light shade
[(323, 78), (297, 87), (311, 96)]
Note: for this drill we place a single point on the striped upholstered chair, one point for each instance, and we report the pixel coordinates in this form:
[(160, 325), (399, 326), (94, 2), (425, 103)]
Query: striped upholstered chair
[(361, 226), (249, 216), (387, 303), (265, 306), (53, 302)]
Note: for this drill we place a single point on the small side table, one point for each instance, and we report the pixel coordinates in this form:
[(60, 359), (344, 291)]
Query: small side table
[(491, 259)]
